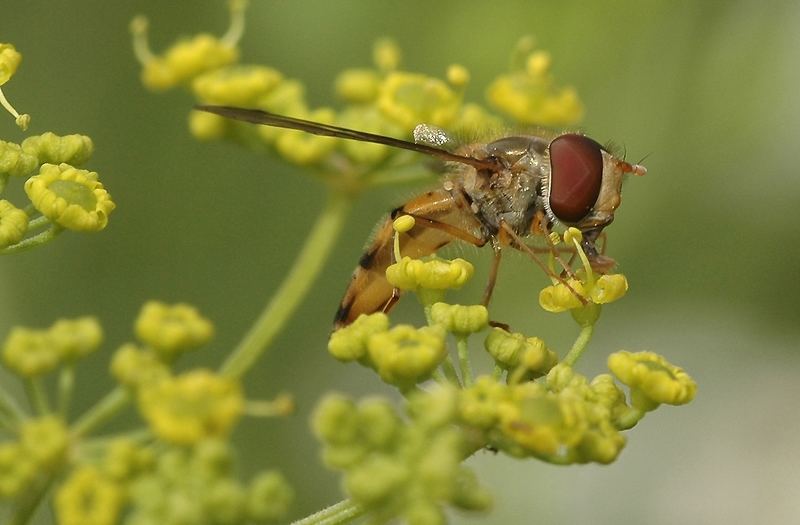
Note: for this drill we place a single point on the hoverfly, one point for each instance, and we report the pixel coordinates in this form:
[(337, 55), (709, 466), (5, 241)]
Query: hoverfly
[(496, 193)]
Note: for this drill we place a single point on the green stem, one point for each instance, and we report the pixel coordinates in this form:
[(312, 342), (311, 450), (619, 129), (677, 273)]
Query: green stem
[(450, 371), (66, 386), (37, 395), (37, 223), (294, 288), (497, 373), (9, 405), (29, 501), (580, 345), (109, 406), (343, 512), (32, 242), (629, 419), (463, 361)]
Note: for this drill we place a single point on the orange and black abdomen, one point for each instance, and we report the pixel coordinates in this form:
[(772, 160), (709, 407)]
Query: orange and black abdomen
[(441, 217)]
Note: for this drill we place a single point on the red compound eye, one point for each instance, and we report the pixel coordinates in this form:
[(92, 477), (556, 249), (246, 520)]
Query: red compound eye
[(576, 173)]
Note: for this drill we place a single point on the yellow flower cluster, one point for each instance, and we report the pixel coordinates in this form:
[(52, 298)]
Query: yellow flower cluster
[(530, 96), (406, 470), (32, 353), (172, 329), (193, 406), (402, 355), (70, 197), (382, 99), (40, 450), (652, 379)]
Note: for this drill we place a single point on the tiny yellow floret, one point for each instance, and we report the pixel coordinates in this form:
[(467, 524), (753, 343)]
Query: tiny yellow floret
[(403, 223), (13, 224), (16, 162), (76, 338), (460, 319), (70, 197), (358, 86), (406, 355), (350, 343), (135, 368), (10, 59), (186, 60), (88, 497), (652, 376), (50, 148), (457, 76), (386, 54), (411, 98), (46, 441), (435, 274), (29, 353), (171, 329), (191, 407)]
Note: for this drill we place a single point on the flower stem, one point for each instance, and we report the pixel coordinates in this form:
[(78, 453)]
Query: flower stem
[(66, 386), (343, 512), (102, 411), (294, 288), (463, 361), (450, 371), (32, 242), (580, 345), (37, 395), (9, 407), (30, 500)]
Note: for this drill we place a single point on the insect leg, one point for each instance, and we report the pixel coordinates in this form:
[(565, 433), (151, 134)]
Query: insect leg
[(516, 242), (498, 252)]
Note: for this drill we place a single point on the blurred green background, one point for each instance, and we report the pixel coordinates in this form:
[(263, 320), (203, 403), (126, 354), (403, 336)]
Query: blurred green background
[(708, 91)]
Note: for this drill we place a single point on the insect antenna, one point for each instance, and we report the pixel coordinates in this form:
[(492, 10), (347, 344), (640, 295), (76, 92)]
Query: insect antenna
[(257, 116)]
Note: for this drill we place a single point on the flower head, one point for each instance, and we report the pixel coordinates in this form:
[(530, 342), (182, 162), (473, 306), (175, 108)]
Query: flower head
[(172, 329), (410, 99), (134, 367), (408, 468), (530, 96), (45, 440), (460, 319), (512, 350), (29, 353), (406, 355), (350, 343), (13, 224), (17, 469), (50, 148), (88, 497), (15, 161), (435, 275), (188, 408), (9, 62), (652, 379), (71, 197), (186, 60), (76, 338)]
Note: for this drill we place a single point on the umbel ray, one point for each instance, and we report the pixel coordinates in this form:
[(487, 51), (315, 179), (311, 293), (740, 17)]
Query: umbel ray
[(494, 193)]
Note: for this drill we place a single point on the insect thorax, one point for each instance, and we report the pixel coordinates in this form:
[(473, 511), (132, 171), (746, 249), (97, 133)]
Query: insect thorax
[(512, 193)]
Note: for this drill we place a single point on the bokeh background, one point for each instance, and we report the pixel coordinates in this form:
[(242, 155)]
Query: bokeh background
[(708, 91)]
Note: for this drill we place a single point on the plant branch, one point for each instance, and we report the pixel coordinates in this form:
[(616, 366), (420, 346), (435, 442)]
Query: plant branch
[(294, 288)]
